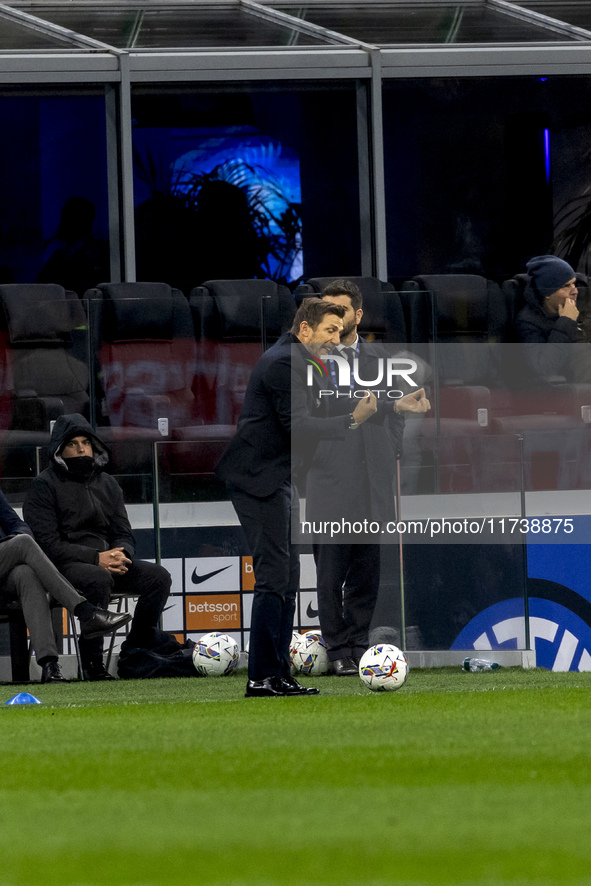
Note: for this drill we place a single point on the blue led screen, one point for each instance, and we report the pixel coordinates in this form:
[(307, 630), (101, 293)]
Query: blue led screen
[(232, 199)]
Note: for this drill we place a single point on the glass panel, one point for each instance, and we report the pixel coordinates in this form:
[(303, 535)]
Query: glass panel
[(17, 36), (578, 14), (201, 546), (513, 147), (454, 23), (139, 27), (240, 183), (171, 368), (144, 351), (20, 462), (53, 188), (488, 440)]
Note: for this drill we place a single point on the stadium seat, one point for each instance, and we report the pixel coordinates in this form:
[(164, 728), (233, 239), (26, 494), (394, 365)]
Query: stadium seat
[(383, 317), (146, 353), (238, 320), (44, 367), (455, 307), (457, 322)]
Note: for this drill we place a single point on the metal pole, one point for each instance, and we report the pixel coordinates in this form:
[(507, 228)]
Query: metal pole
[(377, 158), (366, 226), (264, 321), (400, 560), (113, 166), (524, 544), (156, 502), (126, 146), (436, 389)]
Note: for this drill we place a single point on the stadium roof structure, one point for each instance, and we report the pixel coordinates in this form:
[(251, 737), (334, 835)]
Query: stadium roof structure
[(123, 44), (203, 35)]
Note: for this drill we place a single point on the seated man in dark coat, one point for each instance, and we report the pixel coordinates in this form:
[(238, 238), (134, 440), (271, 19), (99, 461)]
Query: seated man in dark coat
[(548, 322), (27, 574), (77, 514)]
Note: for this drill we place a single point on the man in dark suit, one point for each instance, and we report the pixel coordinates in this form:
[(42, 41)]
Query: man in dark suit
[(257, 467), (350, 480)]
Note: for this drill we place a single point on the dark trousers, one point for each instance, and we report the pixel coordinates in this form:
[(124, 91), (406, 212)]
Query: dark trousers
[(267, 525), (30, 576), (148, 582), (347, 579)]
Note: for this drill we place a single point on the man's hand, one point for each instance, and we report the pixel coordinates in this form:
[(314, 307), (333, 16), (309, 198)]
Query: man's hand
[(114, 561), (569, 309), (415, 402), (365, 408)]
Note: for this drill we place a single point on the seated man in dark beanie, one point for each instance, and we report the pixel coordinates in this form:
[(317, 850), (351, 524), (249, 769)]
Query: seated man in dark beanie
[(77, 514), (550, 318), (26, 574)]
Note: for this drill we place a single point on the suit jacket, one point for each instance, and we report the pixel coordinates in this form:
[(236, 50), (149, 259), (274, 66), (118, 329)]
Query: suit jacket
[(10, 522), (353, 478), (278, 424)]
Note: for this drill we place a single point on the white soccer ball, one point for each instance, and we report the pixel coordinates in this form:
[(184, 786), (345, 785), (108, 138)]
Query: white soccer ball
[(216, 655), (383, 668), (294, 638), (308, 654)]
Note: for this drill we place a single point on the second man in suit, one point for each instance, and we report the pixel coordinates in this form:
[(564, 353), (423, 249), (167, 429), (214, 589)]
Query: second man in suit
[(352, 479)]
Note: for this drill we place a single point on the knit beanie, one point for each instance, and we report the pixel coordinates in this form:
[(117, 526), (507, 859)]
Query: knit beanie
[(548, 273)]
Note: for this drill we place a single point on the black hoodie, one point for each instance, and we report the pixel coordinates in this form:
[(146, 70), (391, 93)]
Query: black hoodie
[(548, 339), (536, 325), (76, 516)]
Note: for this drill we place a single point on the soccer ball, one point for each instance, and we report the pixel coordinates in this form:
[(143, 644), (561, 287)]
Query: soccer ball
[(383, 668), (294, 638), (216, 655), (308, 654)]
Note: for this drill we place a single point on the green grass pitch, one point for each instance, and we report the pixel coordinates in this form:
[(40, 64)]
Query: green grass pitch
[(457, 778)]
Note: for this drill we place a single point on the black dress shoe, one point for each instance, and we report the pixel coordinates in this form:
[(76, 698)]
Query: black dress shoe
[(292, 687), (266, 688), (103, 622), (95, 670), (344, 667), (51, 673)]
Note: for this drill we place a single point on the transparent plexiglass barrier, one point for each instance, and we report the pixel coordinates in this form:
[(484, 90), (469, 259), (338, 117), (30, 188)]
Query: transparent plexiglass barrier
[(500, 459)]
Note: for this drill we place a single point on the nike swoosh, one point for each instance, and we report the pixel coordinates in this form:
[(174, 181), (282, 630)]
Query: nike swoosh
[(311, 613), (199, 579)]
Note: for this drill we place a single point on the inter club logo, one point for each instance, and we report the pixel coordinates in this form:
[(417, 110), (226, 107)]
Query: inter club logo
[(561, 640)]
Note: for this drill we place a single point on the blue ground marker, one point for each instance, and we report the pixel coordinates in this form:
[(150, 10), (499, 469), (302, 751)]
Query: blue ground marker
[(23, 698)]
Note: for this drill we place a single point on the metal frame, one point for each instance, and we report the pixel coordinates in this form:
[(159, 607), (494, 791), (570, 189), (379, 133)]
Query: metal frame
[(340, 57)]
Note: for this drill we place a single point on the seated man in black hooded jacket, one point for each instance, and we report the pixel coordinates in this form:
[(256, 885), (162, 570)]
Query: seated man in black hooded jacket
[(77, 515), (553, 343)]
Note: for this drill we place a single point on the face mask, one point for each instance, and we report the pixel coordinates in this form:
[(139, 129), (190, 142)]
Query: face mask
[(82, 464)]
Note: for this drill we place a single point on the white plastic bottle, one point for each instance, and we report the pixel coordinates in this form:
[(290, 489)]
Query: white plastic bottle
[(479, 664)]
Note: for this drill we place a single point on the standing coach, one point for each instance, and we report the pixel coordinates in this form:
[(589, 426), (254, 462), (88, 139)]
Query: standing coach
[(257, 468)]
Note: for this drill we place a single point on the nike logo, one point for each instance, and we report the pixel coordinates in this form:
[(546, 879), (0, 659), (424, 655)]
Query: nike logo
[(310, 612), (199, 579)]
